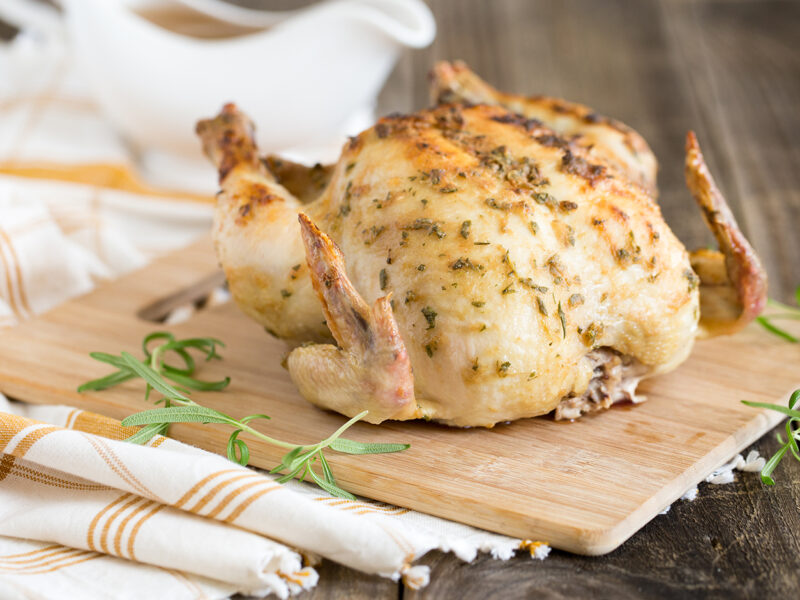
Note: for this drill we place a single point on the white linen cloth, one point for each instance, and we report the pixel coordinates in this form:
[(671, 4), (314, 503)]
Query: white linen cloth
[(180, 508)]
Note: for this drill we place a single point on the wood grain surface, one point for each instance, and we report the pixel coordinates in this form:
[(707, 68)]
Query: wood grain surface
[(730, 69), (585, 487)]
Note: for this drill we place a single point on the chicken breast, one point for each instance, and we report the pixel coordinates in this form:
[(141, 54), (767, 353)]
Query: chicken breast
[(471, 264)]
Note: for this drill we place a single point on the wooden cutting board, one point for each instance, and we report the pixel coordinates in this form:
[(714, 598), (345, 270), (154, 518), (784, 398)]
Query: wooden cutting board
[(584, 487)]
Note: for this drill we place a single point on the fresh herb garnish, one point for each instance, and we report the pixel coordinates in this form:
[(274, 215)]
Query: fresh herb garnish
[(789, 313), (792, 434), (179, 408), (793, 424)]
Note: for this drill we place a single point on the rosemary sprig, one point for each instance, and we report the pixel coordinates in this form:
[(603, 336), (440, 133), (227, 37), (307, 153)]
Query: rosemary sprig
[(792, 435), (789, 313), (179, 408), (793, 423)]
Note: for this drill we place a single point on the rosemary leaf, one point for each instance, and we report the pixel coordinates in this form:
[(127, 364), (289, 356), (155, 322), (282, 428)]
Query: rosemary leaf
[(352, 447)]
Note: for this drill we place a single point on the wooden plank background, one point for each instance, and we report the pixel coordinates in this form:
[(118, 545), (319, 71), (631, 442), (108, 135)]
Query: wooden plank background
[(730, 70)]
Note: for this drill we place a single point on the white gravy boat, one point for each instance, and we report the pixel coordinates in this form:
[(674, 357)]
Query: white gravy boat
[(301, 79)]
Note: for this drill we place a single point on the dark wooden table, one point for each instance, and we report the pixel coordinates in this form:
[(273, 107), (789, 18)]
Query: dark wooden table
[(730, 70)]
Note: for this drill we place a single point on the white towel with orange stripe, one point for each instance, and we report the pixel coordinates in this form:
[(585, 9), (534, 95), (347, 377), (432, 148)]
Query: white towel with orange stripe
[(184, 510), (30, 569), (57, 240)]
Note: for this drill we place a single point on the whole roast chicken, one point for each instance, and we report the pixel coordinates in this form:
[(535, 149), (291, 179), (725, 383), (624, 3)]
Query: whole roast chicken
[(491, 258)]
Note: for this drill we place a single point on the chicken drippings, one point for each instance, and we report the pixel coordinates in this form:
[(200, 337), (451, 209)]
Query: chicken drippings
[(614, 379)]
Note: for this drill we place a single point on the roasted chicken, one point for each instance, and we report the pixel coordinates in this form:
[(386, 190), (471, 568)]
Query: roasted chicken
[(492, 258)]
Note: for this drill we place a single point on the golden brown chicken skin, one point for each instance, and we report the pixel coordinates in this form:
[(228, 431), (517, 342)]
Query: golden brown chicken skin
[(465, 263)]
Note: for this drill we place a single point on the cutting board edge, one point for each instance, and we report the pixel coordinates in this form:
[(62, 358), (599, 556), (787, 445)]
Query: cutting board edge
[(605, 540)]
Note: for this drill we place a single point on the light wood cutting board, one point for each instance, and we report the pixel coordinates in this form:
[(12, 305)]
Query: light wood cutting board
[(584, 487)]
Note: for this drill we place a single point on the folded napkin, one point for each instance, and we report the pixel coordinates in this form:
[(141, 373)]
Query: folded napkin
[(37, 570), (66, 477)]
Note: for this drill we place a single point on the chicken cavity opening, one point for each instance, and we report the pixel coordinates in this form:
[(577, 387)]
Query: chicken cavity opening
[(615, 377)]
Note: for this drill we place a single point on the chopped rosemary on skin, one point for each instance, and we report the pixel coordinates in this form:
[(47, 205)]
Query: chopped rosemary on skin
[(286, 293), (430, 316), (465, 229), (563, 318), (383, 279), (575, 300), (567, 205), (545, 199), (542, 307), (589, 336), (178, 408), (477, 303), (465, 263)]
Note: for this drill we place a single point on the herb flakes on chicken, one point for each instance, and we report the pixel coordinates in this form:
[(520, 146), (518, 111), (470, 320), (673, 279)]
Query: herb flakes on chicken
[(492, 258)]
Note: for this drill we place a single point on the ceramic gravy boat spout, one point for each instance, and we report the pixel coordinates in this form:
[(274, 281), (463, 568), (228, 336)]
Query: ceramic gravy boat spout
[(304, 76)]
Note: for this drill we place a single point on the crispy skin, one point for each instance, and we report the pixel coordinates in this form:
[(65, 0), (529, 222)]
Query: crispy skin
[(524, 268), (511, 254), (608, 140), (256, 235), (733, 284)]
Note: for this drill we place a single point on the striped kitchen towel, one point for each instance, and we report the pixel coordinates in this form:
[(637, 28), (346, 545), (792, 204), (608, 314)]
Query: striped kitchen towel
[(67, 478)]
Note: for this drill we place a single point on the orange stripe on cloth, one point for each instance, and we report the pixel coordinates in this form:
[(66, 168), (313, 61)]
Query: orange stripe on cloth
[(98, 516), (92, 556), (110, 176), (199, 594), (138, 526), (236, 493), (12, 557), (90, 422), (31, 438), (6, 465), (196, 487), (37, 560), (241, 508), (104, 535), (9, 269), (55, 481), (212, 493), (105, 452), (66, 555), (11, 425), (17, 271), (121, 529)]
